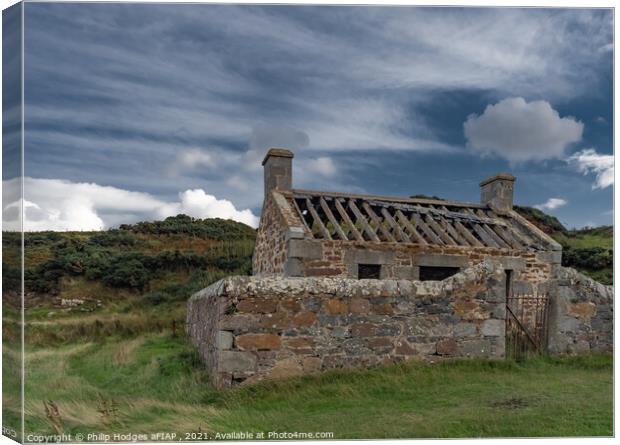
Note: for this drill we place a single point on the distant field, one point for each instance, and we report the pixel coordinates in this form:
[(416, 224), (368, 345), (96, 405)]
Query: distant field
[(153, 382), (590, 251), (588, 238)]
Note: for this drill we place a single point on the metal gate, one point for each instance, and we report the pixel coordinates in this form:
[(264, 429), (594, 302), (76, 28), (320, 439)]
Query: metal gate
[(526, 325)]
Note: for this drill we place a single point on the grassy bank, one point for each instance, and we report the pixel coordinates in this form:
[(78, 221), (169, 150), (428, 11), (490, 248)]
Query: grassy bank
[(153, 382)]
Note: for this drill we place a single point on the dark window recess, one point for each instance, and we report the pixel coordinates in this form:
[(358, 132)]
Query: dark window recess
[(508, 282), (369, 271), (428, 273)]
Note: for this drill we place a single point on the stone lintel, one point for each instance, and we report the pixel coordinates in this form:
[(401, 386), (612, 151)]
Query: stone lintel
[(511, 263), (365, 256), (437, 260), (306, 249)]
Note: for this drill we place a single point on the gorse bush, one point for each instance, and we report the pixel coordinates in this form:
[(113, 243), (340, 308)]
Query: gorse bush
[(132, 270), (590, 258), (11, 278), (112, 238), (547, 223), (181, 291), (129, 273), (212, 228), (129, 258)]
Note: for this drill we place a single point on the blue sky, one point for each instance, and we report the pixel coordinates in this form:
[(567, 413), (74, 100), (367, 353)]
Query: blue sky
[(141, 111)]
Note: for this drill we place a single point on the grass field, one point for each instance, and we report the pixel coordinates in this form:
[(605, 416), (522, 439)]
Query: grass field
[(154, 382), (587, 238)]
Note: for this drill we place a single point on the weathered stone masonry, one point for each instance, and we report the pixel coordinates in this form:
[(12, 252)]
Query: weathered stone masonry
[(581, 316), (250, 328), (340, 258), (271, 241)]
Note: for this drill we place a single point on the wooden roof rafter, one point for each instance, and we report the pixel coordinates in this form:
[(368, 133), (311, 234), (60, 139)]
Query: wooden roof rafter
[(346, 217)]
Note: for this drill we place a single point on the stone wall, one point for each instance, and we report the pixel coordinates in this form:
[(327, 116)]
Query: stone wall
[(581, 314), (251, 328), (402, 261), (271, 240)]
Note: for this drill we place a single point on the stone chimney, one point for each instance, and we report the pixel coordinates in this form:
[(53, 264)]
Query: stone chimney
[(496, 191), (278, 168)]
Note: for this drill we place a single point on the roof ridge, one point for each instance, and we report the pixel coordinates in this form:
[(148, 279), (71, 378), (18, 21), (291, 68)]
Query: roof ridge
[(391, 198)]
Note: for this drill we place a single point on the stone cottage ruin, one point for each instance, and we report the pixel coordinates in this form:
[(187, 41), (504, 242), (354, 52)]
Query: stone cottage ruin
[(345, 280)]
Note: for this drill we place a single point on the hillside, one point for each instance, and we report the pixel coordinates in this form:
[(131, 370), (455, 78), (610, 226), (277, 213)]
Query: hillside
[(145, 264), (588, 250)]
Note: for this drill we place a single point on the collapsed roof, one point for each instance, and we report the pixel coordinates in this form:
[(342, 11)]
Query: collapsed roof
[(383, 219)]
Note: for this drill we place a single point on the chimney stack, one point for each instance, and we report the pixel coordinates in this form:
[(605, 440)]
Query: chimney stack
[(496, 191), (278, 169)]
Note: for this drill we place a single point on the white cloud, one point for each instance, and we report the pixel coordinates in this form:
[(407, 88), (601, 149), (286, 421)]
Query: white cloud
[(195, 157), (199, 204), (323, 166), (521, 131), (552, 204), (54, 204), (589, 161)]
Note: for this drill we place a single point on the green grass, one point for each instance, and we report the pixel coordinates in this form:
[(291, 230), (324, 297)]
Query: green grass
[(587, 238), (154, 382), (590, 251)]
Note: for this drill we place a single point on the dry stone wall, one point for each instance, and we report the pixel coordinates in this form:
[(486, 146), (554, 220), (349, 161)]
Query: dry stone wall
[(252, 328), (581, 314)]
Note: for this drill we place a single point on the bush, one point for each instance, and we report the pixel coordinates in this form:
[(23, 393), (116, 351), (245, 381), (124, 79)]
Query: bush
[(128, 272), (119, 259), (547, 223), (11, 278), (212, 228), (112, 238), (592, 258), (182, 291)]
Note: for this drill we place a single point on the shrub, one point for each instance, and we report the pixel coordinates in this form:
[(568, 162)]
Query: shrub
[(11, 278), (592, 258), (128, 272), (112, 238), (547, 223), (182, 291), (212, 228)]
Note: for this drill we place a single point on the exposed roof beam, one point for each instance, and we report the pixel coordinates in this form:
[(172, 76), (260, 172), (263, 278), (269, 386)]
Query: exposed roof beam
[(332, 219), (317, 219), (347, 219)]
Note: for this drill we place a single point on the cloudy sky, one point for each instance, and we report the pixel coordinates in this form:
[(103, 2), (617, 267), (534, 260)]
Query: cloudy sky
[(137, 112)]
